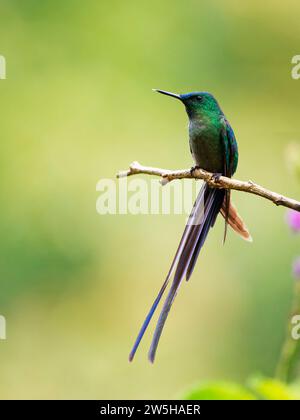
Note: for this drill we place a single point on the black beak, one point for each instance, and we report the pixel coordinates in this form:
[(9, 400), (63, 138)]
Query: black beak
[(174, 95)]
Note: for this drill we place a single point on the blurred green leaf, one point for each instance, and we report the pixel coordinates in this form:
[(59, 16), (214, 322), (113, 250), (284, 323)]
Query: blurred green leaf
[(219, 391), (272, 389), (257, 388)]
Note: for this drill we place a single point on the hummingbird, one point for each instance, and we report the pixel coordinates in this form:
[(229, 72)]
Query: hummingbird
[(214, 148)]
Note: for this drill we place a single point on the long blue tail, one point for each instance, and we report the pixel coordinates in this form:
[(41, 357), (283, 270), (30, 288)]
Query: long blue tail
[(203, 216)]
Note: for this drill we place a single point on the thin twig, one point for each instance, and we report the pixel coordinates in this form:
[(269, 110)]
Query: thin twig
[(216, 182)]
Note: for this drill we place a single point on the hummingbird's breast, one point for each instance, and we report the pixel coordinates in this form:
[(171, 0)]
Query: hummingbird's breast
[(206, 145)]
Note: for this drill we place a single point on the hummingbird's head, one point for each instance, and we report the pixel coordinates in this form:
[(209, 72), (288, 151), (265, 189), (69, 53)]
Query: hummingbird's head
[(197, 104)]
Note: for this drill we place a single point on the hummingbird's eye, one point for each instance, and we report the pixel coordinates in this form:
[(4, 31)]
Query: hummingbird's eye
[(199, 97)]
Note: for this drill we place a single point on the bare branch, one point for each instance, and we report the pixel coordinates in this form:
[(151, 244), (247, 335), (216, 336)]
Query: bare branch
[(220, 182)]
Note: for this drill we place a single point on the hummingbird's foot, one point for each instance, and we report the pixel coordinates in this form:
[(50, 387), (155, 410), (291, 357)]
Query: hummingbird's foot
[(193, 169), (216, 177)]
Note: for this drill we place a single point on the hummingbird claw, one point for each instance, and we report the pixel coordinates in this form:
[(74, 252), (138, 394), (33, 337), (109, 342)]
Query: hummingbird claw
[(216, 177)]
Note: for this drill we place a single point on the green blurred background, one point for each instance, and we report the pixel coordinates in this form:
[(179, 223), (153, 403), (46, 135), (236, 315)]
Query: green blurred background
[(77, 106)]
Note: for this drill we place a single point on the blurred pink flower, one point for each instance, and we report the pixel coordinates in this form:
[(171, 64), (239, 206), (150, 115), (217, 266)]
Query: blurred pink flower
[(293, 220)]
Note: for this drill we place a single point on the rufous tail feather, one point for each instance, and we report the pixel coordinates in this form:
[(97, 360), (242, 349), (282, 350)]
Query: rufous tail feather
[(235, 221)]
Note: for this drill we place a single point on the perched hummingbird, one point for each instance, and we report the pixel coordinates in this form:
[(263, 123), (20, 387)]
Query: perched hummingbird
[(214, 148)]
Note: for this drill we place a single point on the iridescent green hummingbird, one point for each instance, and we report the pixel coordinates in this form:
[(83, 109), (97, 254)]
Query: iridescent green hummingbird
[(214, 148)]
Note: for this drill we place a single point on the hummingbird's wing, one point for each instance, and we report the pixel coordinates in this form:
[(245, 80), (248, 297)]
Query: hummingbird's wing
[(230, 163), (230, 148)]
